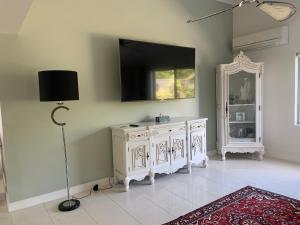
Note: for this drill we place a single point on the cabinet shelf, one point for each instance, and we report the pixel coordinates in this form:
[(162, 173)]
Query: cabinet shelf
[(241, 140), (241, 122), (239, 105)]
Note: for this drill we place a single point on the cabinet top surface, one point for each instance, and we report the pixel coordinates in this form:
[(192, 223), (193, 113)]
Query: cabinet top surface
[(144, 125)]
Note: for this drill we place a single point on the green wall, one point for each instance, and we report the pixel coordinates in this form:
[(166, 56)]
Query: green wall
[(82, 35)]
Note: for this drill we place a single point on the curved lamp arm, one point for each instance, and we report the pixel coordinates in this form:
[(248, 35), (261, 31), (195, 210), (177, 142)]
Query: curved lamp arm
[(53, 112)]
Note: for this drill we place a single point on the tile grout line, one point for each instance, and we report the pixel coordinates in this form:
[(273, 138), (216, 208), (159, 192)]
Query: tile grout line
[(158, 204), (48, 213), (178, 196), (84, 209), (136, 219), (170, 193), (210, 193)]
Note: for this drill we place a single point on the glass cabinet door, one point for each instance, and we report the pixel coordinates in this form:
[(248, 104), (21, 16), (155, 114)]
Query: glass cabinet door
[(241, 107)]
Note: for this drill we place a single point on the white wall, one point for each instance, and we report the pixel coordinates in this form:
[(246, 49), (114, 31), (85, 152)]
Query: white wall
[(1, 142), (281, 137)]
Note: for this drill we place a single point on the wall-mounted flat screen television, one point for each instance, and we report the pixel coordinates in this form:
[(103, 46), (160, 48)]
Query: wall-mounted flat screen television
[(151, 71)]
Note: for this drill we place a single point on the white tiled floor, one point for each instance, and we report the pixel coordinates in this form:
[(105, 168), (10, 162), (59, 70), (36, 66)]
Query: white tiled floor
[(170, 197)]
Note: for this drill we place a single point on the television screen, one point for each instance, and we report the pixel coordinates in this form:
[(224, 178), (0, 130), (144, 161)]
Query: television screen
[(152, 71)]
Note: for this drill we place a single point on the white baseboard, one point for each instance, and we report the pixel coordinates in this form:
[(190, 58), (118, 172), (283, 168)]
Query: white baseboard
[(29, 202)]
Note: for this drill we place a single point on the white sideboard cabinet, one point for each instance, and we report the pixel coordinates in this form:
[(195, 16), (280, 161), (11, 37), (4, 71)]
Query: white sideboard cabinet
[(162, 148)]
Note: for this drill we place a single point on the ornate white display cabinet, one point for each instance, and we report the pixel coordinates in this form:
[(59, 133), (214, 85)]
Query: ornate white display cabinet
[(239, 107), (153, 148)]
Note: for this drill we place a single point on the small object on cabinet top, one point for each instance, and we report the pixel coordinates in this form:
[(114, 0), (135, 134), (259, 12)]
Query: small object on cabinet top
[(161, 118), (133, 125)]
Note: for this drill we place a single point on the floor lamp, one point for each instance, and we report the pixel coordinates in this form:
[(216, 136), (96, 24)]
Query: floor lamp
[(60, 86)]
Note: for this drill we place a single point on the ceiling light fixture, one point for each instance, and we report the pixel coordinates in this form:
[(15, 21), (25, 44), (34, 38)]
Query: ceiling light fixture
[(279, 11)]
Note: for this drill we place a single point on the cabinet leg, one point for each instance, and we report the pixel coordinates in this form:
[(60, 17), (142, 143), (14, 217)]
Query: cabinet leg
[(152, 175), (189, 168), (116, 179), (205, 162), (223, 156), (261, 156), (126, 183)]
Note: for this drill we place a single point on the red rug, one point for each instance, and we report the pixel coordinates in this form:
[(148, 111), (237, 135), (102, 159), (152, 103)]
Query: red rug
[(248, 206)]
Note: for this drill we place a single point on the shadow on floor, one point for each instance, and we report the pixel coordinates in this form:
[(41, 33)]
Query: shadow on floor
[(236, 156)]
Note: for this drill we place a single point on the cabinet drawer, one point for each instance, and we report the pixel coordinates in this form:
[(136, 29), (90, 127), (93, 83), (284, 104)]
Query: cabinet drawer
[(138, 135), (198, 125), (168, 130)]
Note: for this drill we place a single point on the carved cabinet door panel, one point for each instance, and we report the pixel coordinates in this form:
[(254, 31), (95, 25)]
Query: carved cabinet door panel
[(161, 153), (178, 150), (139, 156), (198, 145)]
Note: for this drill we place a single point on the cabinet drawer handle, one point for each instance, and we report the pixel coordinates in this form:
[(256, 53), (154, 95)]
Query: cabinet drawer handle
[(139, 135), (148, 156), (170, 130), (173, 150), (169, 150)]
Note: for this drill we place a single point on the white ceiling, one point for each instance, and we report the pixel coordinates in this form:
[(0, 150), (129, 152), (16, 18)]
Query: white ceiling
[(12, 15)]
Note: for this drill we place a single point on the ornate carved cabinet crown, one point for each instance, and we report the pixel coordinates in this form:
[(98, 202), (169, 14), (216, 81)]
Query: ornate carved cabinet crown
[(153, 148), (239, 106)]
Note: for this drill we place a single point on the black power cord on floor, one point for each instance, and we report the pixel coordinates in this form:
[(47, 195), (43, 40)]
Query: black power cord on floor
[(95, 188)]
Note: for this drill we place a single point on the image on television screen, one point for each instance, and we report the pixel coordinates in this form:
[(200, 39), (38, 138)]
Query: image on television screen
[(171, 84)]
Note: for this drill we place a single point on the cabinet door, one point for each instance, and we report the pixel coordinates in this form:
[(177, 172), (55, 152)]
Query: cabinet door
[(139, 156), (198, 145), (161, 152), (178, 151), (241, 109)]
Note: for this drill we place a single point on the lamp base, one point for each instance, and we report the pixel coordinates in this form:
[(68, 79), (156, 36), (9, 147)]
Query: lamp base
[(69, 205)]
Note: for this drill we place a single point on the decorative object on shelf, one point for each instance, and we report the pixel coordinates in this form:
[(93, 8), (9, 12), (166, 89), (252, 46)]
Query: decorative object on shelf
[(245, 91), (233, 99), (153, 148), (162, 118), (59, 86), (240, 116), (240, 122), (278, 10), (248, 205), (241, 132)]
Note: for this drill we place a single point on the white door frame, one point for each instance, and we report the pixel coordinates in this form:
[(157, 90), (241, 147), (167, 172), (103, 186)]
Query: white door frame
[(2, 155)]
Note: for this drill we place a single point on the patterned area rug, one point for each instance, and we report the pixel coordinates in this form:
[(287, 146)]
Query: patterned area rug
[(248, 206)]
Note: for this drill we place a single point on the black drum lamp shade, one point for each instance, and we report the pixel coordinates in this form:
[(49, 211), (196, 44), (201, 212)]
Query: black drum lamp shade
[(58, 85)]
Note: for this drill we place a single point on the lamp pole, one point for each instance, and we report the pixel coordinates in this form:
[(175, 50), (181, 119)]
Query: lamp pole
[(69, 204)]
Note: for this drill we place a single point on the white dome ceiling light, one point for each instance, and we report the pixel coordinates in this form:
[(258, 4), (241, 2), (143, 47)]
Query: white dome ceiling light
[(279, 11)]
